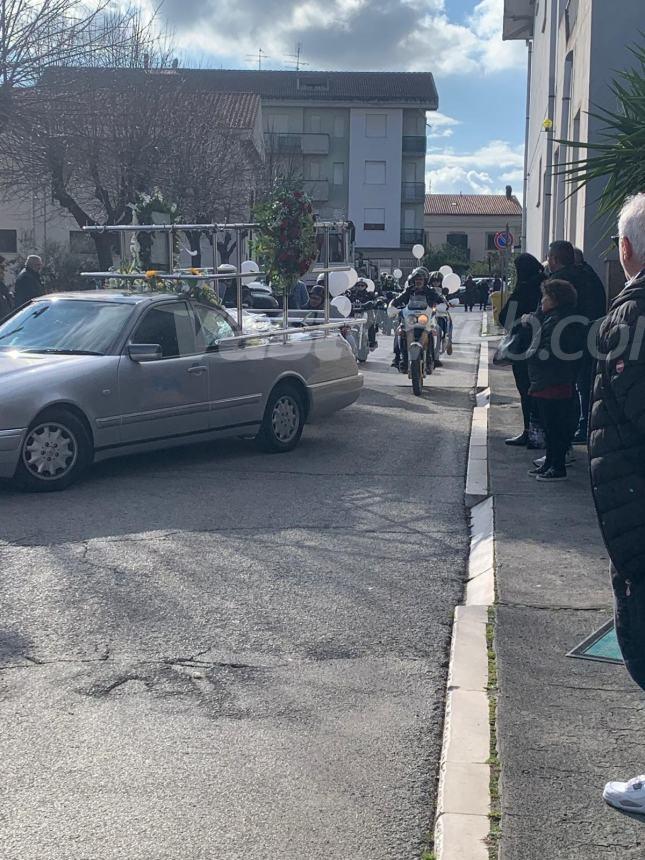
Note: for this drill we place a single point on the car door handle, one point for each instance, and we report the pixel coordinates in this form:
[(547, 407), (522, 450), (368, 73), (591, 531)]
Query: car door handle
[(197, 369)]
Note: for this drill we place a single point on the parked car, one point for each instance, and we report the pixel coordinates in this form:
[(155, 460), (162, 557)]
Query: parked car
[(89, 376)]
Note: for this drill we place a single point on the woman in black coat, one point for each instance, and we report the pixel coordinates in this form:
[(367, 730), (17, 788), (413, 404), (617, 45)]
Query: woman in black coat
[(524, 299)]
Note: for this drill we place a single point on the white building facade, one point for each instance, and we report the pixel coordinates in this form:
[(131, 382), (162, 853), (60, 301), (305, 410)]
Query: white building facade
[(575, 47)]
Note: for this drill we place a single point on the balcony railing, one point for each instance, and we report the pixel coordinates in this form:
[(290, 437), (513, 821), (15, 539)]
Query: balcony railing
[(305, 144), (415, 144), (410, 237), (318, 189), (413, 192)]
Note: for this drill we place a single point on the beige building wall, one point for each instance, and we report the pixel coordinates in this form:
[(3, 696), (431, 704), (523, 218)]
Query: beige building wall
[(477, 228)]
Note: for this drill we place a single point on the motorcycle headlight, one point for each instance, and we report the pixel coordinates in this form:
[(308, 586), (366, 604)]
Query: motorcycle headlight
[(423, 319)]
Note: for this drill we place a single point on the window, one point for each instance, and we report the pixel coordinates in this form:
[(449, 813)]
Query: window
[(375, 125), (210, 327), (410, 171), (409, 219), (339, 174), (374, 219), (339, 127), (375, 173), (8, 241), (490, 242), (168, 325), (314, 169), (459, 240), (81, 243), (315, 124), (279, 123)]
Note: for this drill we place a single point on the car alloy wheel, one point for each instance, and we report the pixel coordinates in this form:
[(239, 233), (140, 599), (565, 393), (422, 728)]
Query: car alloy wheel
[(50, 451), (285, 419)]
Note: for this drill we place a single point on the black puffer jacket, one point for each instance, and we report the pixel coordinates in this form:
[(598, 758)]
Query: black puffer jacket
[(617, 432), (556, 350)]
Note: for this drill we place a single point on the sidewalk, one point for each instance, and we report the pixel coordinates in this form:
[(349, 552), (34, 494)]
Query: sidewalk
[(565, 726)]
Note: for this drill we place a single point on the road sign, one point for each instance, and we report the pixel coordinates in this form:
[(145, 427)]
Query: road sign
[(504, 240)]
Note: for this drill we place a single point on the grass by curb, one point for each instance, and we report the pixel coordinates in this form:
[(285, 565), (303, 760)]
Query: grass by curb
[(495, 814)]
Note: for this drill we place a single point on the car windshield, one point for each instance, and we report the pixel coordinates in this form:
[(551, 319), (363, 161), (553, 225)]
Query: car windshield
[(67, 326)]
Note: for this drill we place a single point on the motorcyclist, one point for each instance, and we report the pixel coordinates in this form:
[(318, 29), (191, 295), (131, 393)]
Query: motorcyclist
[(362, 300), (419, 284)]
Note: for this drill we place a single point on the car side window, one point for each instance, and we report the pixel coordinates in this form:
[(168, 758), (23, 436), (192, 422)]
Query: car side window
[(169, 325), (211, 326)]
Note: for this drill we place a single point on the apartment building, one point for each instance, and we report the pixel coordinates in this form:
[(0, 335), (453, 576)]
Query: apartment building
[(472, 221), (358, 139), (574, 48)]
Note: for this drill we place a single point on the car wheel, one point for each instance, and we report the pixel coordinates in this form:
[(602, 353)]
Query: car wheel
[(284, 419), (55, 452)]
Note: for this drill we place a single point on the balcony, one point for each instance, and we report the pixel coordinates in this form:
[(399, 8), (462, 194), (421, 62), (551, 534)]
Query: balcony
[(415, 144), (317, 189), (298, 144), (413, 192), (410, 237)]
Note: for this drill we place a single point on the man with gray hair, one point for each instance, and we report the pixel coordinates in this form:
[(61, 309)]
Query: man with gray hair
[(617, 453), (28, 283)]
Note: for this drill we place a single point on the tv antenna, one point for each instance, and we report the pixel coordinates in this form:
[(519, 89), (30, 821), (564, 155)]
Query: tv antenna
[(298, 57), (259, 56)]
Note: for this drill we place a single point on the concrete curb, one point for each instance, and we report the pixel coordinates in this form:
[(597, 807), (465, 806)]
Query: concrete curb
[(463, 801)]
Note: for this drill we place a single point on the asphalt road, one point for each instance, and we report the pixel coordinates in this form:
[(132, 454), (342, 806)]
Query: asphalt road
[(214, 653)]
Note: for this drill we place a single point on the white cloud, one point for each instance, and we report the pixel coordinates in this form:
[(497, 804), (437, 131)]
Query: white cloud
[(440, 125), (414, 35), (486, 170)]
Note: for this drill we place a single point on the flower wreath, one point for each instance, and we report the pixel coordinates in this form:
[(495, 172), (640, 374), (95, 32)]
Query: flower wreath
[(286, 244)]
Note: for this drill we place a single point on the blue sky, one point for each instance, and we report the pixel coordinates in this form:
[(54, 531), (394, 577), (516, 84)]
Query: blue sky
[(475, 140)]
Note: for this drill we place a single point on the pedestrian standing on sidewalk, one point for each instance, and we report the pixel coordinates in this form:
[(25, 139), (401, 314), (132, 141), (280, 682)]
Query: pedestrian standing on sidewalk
[(553, 362), (592, 304), (617, 454), (29, 283), (523, 300), (482, 290)]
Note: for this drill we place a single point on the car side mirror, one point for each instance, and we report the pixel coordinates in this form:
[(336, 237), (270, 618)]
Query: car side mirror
[(141, 352)]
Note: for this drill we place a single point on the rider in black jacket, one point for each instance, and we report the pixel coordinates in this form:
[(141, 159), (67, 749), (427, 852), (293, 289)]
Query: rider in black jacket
[(418, 285)]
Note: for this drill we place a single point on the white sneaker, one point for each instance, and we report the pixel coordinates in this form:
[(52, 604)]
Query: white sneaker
[(629, 796)]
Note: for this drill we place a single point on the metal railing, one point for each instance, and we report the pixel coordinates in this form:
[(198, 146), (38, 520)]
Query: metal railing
[(411, 237), (413, 192), (416, 143), (305, 143)]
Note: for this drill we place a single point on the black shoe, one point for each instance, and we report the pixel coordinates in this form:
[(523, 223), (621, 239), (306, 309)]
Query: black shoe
[(552, 475), (518, 441), (538, 470), (403, 367), (580, 438), (533, 446), (395, 363), (438, 363)]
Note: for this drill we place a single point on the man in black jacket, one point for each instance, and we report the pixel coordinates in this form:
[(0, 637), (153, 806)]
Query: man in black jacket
[(419, 285), (28, 283), (592, 304), (617, 454)]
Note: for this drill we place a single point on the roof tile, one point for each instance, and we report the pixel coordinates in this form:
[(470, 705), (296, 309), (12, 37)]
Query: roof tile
[(472, 204)]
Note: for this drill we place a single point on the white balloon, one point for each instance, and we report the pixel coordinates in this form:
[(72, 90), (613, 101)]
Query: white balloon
[(446, 270), (371, 286), (353, 277), (397, 273), (338, 283), (418, 251), (452, 282), (343, 305), (249, 266)]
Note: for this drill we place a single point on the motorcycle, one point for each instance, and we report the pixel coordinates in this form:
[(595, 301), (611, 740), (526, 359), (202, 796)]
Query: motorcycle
[(364, 311), (419, 339), (444, 324)]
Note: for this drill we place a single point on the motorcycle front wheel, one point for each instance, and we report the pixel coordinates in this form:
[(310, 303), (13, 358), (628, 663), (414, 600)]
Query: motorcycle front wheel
[(416, 375)]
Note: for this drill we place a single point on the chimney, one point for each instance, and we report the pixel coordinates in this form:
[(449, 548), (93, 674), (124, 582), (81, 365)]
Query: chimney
[(509, 192)]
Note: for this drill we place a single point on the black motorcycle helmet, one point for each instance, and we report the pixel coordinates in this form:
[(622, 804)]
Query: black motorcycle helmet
[(422, 272), (436, 278)]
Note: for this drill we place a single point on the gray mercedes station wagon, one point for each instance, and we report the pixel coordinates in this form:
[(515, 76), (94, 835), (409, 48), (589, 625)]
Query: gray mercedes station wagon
[(93, 375)]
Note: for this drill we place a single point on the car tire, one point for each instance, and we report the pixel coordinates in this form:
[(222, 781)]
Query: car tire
[(284, 420), (65, 435)]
